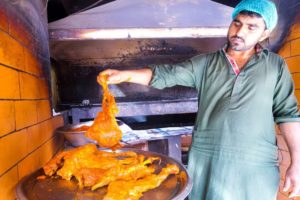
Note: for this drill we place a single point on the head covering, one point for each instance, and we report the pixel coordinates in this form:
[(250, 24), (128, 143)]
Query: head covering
[(265, 8)]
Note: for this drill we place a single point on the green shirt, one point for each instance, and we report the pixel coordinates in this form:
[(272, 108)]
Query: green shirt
[(236, 114), (262, 93)]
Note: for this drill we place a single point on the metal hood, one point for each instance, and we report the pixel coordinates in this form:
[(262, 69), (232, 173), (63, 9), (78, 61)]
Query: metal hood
[(139, 32)]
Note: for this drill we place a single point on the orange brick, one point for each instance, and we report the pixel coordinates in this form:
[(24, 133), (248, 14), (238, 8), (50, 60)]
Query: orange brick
[(20, 29), (285, 51), (40, 133), (9, 83), (294, 32), (296, 78), (29, 86), (7, 117), (13, 149), (11, 52), (295, 47), (48, 150), (25, 112), (297, 94), (293, 64), (36, 137), (43, 89), (3, 19), (59, 142), (43, 110), (8, 183), (32, 65), (48, 129), (58, 121), (30, 164)]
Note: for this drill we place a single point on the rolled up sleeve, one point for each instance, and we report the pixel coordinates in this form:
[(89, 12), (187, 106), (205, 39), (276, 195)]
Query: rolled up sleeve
[(285, 107)]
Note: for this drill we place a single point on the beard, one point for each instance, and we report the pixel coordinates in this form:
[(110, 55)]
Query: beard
[(237, 43)]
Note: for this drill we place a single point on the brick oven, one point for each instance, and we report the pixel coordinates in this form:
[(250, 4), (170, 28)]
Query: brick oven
[(27, 123), (48, 70)]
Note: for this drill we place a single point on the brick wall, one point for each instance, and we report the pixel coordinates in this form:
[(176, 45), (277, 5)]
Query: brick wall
[(27, 140), (291, 53)]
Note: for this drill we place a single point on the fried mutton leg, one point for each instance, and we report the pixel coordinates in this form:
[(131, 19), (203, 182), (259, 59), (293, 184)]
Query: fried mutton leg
[(126, 172), (105, 129), (66, 164), (134, 189)]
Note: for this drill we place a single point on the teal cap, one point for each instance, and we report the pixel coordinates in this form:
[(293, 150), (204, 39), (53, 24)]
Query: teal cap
[(265, 8)]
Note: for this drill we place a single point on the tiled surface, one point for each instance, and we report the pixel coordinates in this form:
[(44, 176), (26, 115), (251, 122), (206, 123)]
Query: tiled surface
[(26, 114), (285, 50), (19, 28), (27, 139), (43, 89), (293, 63), (11, 52), (8, 183), (29, 164), (7, 115), (13, 149), (296, 77), (31, 63), (295, 47), (3, 20), (43, 110), (29, 86), (9, 83), (294, 32)]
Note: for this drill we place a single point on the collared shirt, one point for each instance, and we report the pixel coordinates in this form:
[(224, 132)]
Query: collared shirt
[(236, 111), (234, 65), (234, 140)]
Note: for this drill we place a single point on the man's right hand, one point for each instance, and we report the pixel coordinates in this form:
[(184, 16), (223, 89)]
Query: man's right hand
[(140, 76), (114, 76)]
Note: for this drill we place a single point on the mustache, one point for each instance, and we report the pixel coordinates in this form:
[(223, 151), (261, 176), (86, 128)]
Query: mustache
[(238, 38)]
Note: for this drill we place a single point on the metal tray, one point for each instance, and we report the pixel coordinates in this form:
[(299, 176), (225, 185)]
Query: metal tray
[(175, 187)]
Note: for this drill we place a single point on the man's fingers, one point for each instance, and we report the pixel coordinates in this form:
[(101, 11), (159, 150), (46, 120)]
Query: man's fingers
[(113, 77), (107, 71), (295, 192), (287, 184)]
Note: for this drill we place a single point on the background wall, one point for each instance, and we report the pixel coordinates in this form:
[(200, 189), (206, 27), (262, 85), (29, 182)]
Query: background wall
[(291, 53), (27, 141)]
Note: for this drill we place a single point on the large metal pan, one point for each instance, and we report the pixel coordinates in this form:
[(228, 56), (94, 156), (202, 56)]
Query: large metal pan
[(175, 187)]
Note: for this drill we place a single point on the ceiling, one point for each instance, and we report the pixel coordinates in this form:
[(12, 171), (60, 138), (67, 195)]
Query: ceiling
[(58, 9), (141, 32)]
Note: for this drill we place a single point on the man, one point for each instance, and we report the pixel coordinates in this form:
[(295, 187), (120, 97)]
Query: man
[(243, 89)]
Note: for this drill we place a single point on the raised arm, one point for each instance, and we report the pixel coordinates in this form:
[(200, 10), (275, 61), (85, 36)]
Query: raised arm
[(139, 76)]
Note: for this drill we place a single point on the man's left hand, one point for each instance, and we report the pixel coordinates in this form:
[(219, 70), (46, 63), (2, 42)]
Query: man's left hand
[(292, 181)]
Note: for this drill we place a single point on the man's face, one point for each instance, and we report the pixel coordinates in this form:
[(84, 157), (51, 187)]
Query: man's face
[(245, 32)]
